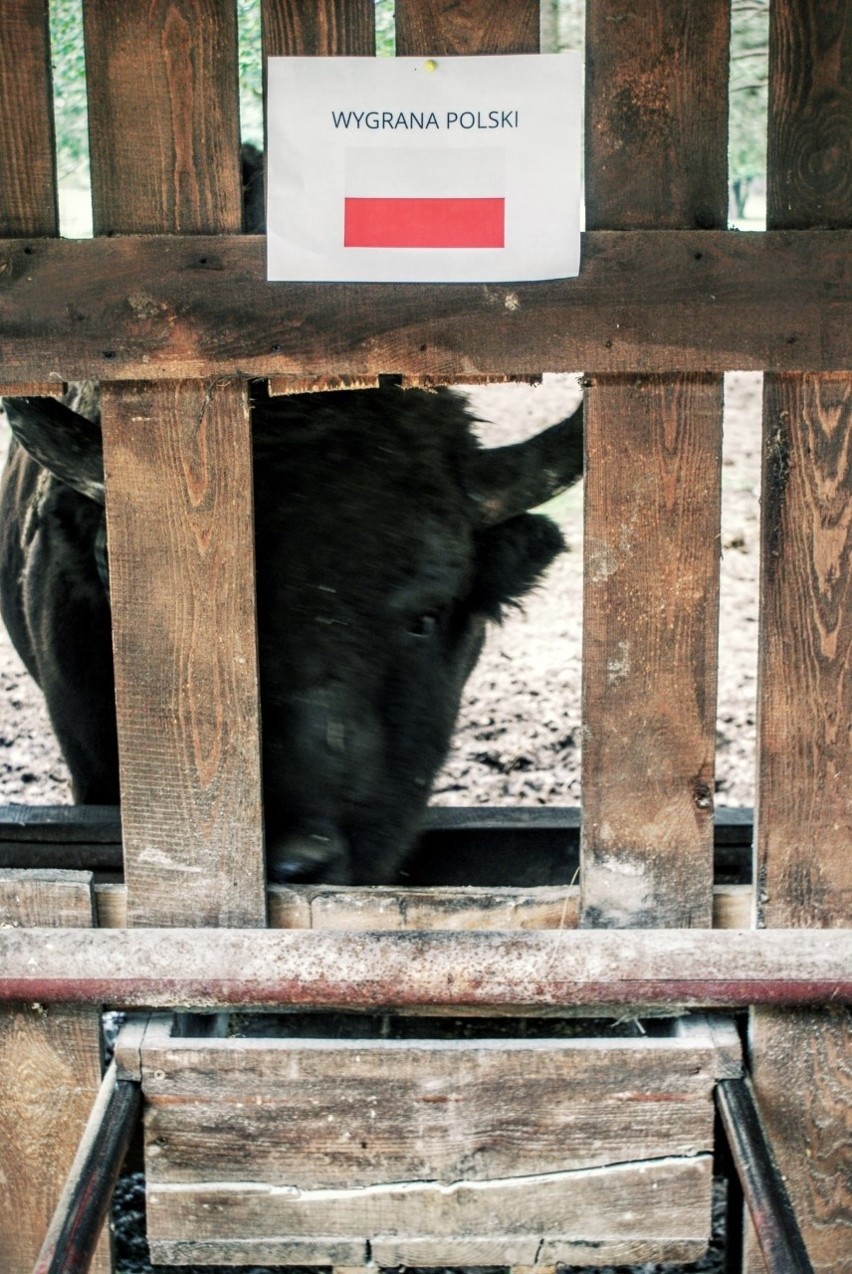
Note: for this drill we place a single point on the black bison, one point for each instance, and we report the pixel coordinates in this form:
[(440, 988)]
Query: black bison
[(386, 537)]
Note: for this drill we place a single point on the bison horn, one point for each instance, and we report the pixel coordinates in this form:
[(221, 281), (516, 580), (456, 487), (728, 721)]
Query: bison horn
[(506, 481), (63, 441)]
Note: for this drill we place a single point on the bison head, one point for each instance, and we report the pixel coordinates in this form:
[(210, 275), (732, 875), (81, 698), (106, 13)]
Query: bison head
[(385, 539)]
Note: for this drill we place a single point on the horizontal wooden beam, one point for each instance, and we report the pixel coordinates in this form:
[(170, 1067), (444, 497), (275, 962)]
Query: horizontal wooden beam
[(166, 307), (517, 973)]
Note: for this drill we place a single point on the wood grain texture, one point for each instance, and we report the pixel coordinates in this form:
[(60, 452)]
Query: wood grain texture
[(804, 825), (666, 1199), (178, 468), (801, 1061), (545, 908), (50, 1063), (656, 143), (319, 1114), (656, 114), (425, 1253), (170, 307), (318, 28), (165, 142), (27, 162), (802, 1070), (653, 482), (163, 116), (810, 115), (445, 28)]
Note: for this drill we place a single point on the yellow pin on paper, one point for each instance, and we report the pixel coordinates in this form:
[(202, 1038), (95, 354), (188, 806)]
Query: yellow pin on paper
[(430, 64)]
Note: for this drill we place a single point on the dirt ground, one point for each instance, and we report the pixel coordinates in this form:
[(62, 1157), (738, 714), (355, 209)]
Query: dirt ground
[(519, 738)]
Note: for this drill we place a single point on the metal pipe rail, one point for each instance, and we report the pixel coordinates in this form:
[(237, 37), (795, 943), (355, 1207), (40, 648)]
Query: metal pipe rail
[(496, 972), (73, 1234), (769, 1206)]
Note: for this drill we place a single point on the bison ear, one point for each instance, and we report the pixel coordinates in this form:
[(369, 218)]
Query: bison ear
[(65, 442), (511, 558)]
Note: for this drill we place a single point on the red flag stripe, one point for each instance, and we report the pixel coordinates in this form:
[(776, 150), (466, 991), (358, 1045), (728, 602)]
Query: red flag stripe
[(424, 223)]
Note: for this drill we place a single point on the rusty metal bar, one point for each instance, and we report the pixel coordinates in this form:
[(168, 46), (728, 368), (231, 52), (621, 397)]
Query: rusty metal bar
[(769, 1205), (73, 1234), (499, 972)]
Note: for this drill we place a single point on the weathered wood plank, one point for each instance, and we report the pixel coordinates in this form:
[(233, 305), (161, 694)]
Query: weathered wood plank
[(170, 307), (178, 465), (649, 661), (801, 1061), (665, 1198), (164, 146), (804, 828), (352, 1254), (27, 161), (444, 28), (50, 1062), (656, 156), (809, 152), (318, 28), (514, 973), (319, 1114), (291, 907), (657, 114), (165, 142)]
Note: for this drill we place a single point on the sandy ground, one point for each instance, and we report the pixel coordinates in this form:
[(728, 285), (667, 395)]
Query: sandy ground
[(518, 738)]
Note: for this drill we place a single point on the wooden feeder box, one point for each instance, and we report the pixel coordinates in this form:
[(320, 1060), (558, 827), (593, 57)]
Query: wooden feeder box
[(556, 1146)]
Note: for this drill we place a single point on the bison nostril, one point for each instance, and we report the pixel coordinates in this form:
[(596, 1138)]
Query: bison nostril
[(310, 858)]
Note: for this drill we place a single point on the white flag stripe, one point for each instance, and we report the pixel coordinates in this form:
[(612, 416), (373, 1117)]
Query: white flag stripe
[(425, 173)]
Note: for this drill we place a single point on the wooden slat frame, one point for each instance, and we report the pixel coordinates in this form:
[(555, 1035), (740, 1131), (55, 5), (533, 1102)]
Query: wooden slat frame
[(28, 203), (802, 1062), (645, 302), (165, 141), (371, 1115), (28, 195), (50, 1069), (657, 75)]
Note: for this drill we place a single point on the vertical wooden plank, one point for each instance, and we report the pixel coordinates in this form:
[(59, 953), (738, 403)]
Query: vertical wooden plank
[(649, 660), (318, 28), (163, 117), (446, 28), (50, 1072), (27, 159), (656, 142), (165, 158), (802, 1061), (804, 825), (809, 139), (181, 570)]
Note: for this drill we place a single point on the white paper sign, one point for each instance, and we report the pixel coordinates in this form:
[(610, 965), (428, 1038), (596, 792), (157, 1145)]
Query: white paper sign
[(458, 169)]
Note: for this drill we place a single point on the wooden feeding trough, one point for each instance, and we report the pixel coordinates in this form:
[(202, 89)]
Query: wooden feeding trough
[(506, 1149), (298, 1148)]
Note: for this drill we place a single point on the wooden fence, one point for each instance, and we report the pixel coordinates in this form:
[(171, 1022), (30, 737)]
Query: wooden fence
[(169, 307)]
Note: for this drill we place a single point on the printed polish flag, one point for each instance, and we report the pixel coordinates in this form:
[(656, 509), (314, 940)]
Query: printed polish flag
[(409, 198)]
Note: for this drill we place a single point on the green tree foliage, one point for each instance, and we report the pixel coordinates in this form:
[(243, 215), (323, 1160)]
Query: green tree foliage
[(748, 98), (69, 79)]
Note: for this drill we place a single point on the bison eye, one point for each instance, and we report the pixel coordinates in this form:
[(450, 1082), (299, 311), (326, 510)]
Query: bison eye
[(425, 625)]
